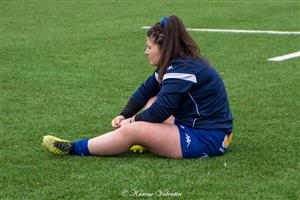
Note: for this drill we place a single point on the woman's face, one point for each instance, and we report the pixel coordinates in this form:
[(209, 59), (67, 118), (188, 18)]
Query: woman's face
[(153, 52)]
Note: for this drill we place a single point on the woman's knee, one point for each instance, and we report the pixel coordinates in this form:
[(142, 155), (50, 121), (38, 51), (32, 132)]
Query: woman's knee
[(134, 130)]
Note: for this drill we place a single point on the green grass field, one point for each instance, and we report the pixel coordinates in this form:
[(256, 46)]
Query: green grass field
[(69, 67)]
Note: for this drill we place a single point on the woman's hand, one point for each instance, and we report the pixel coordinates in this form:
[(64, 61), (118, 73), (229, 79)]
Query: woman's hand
[(126, 121), (116, 122)]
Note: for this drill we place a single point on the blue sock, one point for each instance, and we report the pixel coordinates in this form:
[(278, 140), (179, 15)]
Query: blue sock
[(80, 148)]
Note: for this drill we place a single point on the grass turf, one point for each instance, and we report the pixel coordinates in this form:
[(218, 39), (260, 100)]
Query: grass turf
[(68, 67)]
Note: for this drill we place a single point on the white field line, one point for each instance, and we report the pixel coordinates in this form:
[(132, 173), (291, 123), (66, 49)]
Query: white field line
[(278, 59), (285, 57), (239, 31)]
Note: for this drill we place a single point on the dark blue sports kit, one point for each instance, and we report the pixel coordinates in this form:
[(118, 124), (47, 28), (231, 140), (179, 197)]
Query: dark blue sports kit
[(194, 93)]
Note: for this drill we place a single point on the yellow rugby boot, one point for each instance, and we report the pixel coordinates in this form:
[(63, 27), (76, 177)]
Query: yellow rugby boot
[(137, 149), (56, 145)]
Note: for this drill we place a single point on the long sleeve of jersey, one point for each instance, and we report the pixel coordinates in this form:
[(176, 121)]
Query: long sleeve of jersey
[(148, 89), (139, 99), (131, 108), (174, 85)]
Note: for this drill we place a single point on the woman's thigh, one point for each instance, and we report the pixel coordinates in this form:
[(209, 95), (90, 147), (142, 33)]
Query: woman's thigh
[(160, 138)]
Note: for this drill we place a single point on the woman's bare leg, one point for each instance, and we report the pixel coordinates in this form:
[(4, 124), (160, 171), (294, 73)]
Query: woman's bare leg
[(159, 138)]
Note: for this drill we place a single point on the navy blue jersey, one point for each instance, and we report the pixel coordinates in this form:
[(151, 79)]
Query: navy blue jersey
[(191, 91)]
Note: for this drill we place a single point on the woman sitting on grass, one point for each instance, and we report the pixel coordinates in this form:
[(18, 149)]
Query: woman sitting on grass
[(187, 115)]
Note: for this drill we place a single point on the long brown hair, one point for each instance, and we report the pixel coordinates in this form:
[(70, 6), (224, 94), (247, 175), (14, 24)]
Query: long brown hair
[(174, 41)]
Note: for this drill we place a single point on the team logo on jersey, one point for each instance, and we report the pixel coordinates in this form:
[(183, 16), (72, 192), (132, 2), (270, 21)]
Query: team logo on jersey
[(170, 67)]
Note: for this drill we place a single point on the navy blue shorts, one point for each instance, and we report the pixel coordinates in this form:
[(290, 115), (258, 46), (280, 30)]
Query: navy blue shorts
[(196, 143)]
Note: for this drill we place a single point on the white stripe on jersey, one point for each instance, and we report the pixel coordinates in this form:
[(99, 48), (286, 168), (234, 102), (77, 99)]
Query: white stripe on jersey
[(182, 76), (157, 77), (196, 109)]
